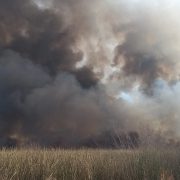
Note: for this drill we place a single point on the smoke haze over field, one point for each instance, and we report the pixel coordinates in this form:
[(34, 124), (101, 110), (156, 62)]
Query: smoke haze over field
[(74, 69)]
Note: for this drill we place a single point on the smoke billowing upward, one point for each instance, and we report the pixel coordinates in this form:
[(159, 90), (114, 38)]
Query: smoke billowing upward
[(73, 70)]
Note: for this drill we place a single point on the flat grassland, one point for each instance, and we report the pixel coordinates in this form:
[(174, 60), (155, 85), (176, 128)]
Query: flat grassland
[(37, 164)]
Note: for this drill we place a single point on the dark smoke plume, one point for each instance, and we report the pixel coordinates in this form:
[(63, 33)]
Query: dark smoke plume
[(42, 95), (65, 64)]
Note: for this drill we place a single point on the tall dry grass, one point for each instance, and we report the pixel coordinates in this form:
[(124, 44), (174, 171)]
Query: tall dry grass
[(36, 164)]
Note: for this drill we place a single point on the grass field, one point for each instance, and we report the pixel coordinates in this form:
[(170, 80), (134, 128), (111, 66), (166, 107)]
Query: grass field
[(52, 164)]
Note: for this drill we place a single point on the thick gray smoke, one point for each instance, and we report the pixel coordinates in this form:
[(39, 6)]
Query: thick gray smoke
[(72, 70)]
